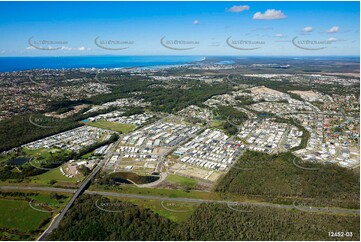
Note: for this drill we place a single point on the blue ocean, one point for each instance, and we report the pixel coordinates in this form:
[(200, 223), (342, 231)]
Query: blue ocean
[(8, 64)]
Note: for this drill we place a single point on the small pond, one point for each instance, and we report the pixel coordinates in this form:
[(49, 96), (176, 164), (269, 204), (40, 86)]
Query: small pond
[(19, 161)]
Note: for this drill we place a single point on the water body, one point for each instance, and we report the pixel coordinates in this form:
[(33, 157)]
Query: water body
[(19, 161), (8, 64), (225, 62), (263, 115), (122, 177)]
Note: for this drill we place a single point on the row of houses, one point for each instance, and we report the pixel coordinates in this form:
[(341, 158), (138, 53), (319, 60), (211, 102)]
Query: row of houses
[(268, 136), (211, 149), (74, 139), (160, 134), (118, 117)]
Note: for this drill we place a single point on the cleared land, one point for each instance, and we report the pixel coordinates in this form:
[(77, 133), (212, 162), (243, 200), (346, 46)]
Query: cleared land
[(265, 90), (310, 94), (194, 171), (183, 181), (119, 127)]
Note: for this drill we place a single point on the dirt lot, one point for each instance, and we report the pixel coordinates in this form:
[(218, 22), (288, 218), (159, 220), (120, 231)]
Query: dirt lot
[(305, 93), (265, 90), (196, 172)]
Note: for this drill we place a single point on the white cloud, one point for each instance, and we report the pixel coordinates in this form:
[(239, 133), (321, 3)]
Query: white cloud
[(332, 39), (270, 14), (334, 29), (238, 9), (280, 35), (336, 39), (307, 29), (30, 48), (196, 21), (66, 48), (82, 48)]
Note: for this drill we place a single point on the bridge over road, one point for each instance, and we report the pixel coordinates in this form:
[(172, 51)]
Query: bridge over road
[(56, 221)]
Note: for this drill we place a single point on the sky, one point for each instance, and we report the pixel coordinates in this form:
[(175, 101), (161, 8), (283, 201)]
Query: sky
[(271, 28)]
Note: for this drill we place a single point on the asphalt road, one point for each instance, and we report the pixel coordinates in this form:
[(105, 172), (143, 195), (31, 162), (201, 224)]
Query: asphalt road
[(55, 223), (231, 204), (79, 191)]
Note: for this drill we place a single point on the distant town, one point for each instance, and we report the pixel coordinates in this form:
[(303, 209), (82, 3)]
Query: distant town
[(184, 128)]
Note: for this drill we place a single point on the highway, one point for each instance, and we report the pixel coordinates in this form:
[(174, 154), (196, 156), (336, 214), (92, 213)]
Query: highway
[(80, 190), (55, 223), (189, 200)]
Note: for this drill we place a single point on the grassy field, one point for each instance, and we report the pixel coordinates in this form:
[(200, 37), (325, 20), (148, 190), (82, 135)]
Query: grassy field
[(88, 155), (19, 215), (172, 193), (119, 127), (21, 219), (35, 154), (175, 193), (5, 157), (216, 124), (175, 211), (53, 174), (45, 153), (183, 181), (44, 197), (40, 157)]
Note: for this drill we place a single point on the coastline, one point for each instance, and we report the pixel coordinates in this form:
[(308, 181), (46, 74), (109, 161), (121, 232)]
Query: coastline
[(15, 64)]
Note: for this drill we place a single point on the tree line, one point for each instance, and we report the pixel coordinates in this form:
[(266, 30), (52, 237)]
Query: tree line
[(211, 221), (279, 175)]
